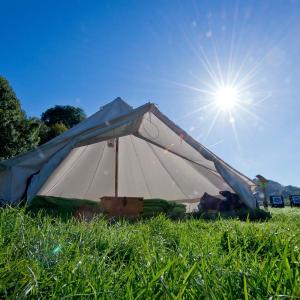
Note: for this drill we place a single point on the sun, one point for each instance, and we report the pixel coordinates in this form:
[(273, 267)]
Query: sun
[(226, 98)]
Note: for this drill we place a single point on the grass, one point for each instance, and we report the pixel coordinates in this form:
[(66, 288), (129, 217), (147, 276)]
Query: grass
[(43, 257)]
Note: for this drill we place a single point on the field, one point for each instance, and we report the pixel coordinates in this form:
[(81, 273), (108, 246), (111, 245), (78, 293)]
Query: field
[(42, 257)]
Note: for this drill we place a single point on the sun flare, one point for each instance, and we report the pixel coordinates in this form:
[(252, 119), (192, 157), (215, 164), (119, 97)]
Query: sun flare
[(226, 98), (228, 90)]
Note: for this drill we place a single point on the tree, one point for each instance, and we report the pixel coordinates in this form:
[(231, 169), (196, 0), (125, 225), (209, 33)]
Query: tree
[(18, 134), (67, 115), (48, 133), (58, 119), (56, 130), (43, 132)]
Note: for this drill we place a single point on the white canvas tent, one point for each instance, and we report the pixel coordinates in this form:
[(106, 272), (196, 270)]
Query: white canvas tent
[(126, 152)]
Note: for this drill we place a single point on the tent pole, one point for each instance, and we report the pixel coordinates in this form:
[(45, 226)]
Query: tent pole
[(116, 167)]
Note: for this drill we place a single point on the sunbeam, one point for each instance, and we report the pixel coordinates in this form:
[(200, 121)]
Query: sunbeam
[(231, 94)]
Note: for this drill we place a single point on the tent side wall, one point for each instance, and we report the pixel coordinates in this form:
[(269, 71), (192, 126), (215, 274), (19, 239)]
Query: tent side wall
[(144, 170), (16, 173), (241, 184)]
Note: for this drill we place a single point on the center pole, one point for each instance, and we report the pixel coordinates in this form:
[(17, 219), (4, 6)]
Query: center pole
[(116, 167)]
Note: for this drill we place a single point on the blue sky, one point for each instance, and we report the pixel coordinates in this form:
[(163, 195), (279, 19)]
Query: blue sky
[(86, 53)]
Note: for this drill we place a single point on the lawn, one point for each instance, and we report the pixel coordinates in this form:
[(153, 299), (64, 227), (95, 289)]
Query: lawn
[(43, 257)]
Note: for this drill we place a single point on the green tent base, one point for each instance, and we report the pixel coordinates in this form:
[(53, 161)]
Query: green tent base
[(70, 206), (63, 207)]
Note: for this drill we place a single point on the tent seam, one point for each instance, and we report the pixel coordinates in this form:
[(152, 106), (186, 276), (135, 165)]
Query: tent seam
[(96, 169), (140, 166), (165, 168), (67, 171), (173, 152), (193, 142)]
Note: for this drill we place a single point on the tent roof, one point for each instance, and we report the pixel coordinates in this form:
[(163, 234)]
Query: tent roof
[(106, 113)]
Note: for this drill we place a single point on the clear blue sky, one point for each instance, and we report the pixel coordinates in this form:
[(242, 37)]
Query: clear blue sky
[(86, 53)]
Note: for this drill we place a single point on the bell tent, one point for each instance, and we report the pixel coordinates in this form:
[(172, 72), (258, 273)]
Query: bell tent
[(121, 151)]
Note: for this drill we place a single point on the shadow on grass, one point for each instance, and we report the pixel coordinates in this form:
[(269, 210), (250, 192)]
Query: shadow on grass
[(67, 210), (242, 215), (257, 215)]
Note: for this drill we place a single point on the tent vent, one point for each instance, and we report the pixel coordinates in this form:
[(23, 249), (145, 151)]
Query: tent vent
[(111, 143)]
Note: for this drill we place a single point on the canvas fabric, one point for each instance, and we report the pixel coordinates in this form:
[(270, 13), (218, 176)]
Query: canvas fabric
[(156, 159)]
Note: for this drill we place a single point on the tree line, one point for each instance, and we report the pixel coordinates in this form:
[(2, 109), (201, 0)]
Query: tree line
[(20, 133)]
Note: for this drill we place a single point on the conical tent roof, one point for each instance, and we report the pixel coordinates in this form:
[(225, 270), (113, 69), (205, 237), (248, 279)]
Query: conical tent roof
[(126, 152)]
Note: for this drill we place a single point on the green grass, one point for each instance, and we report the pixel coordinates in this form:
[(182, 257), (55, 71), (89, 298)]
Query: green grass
[(43, 257)]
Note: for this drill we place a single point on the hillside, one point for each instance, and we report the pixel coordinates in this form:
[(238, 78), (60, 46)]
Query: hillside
[(275, 188)]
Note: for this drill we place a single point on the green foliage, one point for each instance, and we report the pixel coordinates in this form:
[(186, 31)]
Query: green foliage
[(56, 130), (156, 206), (44, 257), (57, 120), (43, 132), (18, 134), (47, 133), (63, 208), (67, 115)]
